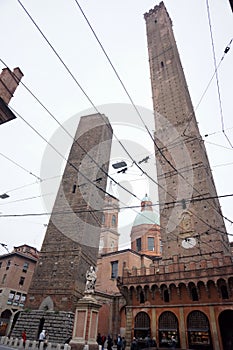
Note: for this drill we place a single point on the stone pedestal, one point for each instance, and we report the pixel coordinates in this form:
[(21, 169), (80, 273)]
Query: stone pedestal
[(85, 324)]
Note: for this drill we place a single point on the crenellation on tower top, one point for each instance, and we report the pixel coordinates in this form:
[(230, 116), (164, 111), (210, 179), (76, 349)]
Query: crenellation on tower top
[(154, 12)]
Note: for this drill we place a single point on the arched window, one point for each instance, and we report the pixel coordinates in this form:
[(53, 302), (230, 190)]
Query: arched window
[(198, 329), (168, 327), (103, 219), (114, 220), (141, 325)]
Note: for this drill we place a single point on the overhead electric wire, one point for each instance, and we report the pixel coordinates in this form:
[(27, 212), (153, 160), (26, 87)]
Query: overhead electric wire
[(26, 199), (95, 106), (98, 111), (67, 161), (216, 75), (59, 153), (216, 144), (219, 165), (133, 104), (79, 85), (20, 166), (66, 67), (74, 140), (65, 130), (192, 114), (68, 133), (20, 187), (32, 183), (217, 132), (195, 199)]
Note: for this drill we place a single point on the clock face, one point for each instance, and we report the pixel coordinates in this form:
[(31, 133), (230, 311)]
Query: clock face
[(189, 242)]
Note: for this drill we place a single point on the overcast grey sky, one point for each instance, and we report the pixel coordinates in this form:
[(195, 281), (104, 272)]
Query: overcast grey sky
[(121, 28)]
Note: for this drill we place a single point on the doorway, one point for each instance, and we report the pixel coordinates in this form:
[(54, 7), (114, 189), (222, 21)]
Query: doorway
[(226, 328)]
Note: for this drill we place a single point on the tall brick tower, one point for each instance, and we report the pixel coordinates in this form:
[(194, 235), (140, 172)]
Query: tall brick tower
[(71, 242), (188, 294), (192, 224)]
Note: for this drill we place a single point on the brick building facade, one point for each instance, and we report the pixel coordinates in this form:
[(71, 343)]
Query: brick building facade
[(189, 292), (16, 270), (111, 261)]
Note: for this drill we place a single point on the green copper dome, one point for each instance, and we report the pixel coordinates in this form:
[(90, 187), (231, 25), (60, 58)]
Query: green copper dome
[(146, 216)]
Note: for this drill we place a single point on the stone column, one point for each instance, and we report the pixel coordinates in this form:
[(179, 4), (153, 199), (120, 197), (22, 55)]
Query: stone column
[(213, 327), (153, 325), (128, 333), (182, 328), (85, 324)]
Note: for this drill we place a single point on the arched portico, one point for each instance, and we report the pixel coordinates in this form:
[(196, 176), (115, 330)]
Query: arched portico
[(168, 327), (199, 336), (5, 321), (226, 328), (142, 325)]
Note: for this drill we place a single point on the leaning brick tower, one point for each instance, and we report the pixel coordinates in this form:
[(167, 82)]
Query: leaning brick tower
[(192, 224), (71, 242)]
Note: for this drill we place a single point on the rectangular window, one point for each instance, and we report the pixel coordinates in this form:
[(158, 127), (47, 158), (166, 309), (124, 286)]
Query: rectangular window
[(151, 243), (22, 300), (25, 267), (0, 264), (21, 281), (114, 272), (138, 244), (11, 297)]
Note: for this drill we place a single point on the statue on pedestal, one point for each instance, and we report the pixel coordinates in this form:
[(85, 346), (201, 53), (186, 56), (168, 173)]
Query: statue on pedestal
[(90, 281)]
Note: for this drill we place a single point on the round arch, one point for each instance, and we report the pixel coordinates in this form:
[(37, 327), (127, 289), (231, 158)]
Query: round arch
[(225, 320), (199, 336), (4, 321), (168, 327), (142, 325)]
